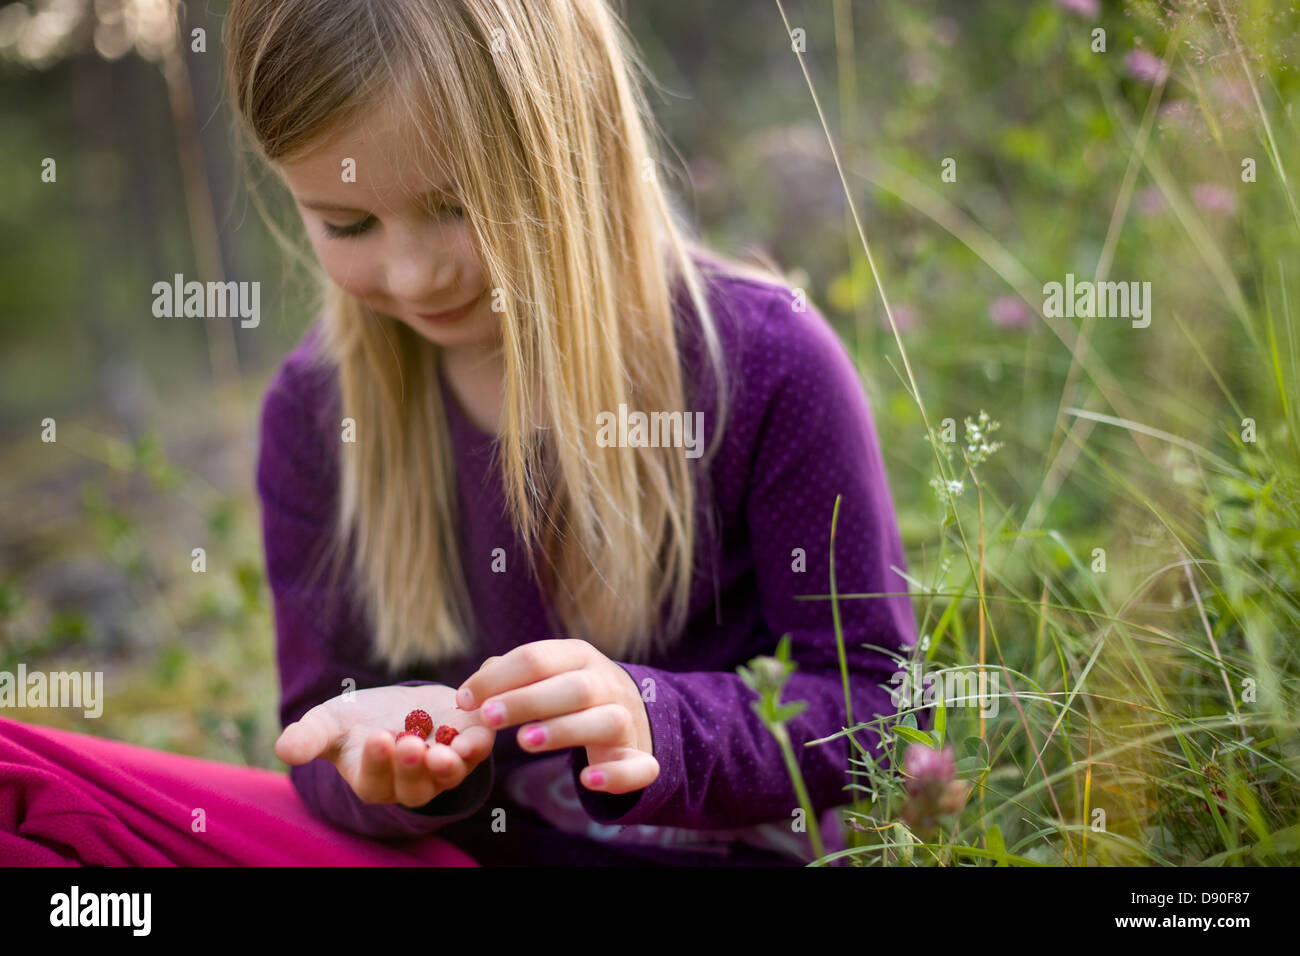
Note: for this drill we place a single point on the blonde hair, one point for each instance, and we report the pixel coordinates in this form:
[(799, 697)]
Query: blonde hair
[(556, 158)]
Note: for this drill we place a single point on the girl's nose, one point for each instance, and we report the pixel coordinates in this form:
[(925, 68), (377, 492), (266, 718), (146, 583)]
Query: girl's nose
[(420, 274)]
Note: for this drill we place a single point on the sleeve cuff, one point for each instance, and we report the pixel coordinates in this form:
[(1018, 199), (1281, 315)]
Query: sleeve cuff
[(640, 806)]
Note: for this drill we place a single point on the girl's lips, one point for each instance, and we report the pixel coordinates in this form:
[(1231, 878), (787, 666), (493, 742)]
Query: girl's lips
[(453, 316)]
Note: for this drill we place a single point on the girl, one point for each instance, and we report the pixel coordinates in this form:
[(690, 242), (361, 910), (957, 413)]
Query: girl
[(545, 468), (461, 512)]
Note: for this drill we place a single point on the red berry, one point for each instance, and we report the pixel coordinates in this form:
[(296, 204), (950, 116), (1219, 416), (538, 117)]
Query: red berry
[(445, 734), (411, 733), (420, 722)]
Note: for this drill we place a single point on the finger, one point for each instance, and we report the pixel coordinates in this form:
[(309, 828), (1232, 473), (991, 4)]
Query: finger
[(464, 696), (451, 763), (564, 693), (606, 724), (374, 780), (523, 665), (446, 768), (413, 784), (473, 743), (633, 771), (313, 735)]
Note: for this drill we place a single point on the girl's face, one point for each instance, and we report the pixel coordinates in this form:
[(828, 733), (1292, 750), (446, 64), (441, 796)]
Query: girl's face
[(404, 255)]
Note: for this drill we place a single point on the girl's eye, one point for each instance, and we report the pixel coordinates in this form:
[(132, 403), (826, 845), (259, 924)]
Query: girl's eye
[(357, 228), (343, 232)]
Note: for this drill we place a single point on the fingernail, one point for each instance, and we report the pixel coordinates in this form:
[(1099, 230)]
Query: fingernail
[(494, 713), (465, 699), (597, 778), (411, 761), (535, 737)]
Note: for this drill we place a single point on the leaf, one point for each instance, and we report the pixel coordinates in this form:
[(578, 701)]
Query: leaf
[(904, 840), (979, 854), (968, 765), (1282, 537), (748, 677), (940, 722), (996, 845), (915, 737), (790, 711)]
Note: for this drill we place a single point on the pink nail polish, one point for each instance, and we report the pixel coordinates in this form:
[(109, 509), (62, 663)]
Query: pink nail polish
[(535, 737), (494, 713), (597, 778)]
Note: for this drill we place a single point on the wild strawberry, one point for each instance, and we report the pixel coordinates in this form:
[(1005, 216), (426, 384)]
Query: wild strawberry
[(445, 734), (412, 733), (420, 722)]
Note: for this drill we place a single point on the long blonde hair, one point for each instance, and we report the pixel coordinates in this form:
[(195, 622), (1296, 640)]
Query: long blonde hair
[(557, 161)]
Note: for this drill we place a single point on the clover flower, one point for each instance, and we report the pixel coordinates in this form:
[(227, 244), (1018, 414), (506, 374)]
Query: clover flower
[(933, 790)]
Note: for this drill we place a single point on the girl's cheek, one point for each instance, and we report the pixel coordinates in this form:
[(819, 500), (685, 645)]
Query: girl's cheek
[(457, 245), (355, 274)]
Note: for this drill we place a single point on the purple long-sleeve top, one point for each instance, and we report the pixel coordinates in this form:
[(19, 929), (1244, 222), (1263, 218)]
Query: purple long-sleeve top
[(799, 433)]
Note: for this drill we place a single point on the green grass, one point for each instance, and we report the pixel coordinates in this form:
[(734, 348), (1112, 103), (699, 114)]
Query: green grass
[(1129, 569)]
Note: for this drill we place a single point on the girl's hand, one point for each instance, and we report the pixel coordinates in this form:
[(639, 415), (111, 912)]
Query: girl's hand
[(574, 696), (355, 732)]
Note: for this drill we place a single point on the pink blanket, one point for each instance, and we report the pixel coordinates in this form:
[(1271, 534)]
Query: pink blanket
[(69, 799)]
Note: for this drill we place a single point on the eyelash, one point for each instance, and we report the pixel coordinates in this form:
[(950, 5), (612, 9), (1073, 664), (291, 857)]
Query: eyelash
[(358, 228), (346, 232)]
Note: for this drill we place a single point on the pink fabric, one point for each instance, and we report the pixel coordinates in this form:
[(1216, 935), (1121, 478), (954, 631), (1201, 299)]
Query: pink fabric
[(69, 799)]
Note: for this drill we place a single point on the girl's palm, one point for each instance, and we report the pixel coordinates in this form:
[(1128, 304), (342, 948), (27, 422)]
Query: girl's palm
[(356, 732)]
